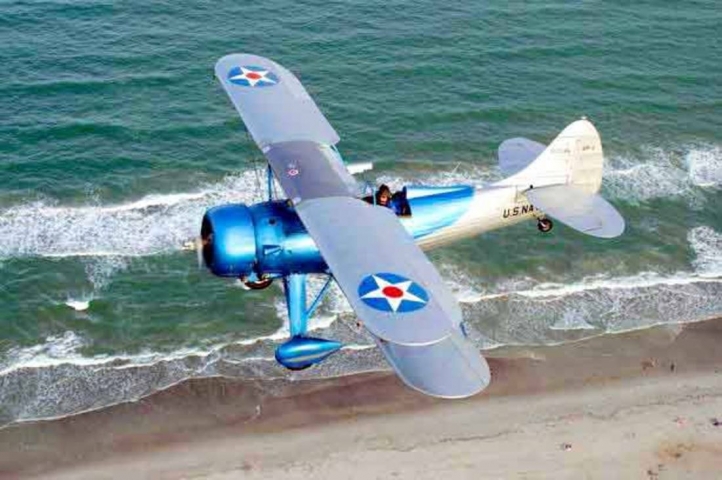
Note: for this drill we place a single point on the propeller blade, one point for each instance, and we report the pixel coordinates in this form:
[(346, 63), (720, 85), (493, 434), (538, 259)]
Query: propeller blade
[(199, 252)]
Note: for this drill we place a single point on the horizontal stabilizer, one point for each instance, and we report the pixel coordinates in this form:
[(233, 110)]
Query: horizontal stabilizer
[(515, 154), (451, 368), (586, 212)]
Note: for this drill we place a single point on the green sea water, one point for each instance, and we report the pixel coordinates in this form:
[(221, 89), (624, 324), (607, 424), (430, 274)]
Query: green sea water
[(115, 137)]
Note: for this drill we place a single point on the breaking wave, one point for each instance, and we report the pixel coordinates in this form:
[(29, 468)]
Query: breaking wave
[(512, 311), (705, 166), (153, 225), (31, 389), (161, 223), (664, 174), (535, 313), (707, 245)]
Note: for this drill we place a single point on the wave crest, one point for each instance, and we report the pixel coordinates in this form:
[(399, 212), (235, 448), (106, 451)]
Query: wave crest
[(155, 224), (664, 174)]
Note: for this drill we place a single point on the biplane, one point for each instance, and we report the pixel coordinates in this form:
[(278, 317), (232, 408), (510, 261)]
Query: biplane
[(373, 246)]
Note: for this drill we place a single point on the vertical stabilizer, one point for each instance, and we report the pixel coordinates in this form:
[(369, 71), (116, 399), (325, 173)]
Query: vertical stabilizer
[(575, 157), (563, 180)]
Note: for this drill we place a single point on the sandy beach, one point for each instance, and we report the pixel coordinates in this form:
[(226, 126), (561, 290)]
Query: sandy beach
[(643, 404)]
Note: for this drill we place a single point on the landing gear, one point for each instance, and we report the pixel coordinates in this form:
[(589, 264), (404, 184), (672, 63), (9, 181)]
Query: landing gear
[(545, 225), (301, 351), (257, 284)]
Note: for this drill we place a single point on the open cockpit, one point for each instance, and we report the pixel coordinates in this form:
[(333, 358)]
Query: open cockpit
[(396, 201)]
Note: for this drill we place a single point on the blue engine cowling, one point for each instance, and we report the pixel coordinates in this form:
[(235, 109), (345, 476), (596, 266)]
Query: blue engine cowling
[(265, 240), (229, 240)]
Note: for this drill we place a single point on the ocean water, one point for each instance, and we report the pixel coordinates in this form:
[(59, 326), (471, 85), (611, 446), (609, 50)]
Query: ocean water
[(115, 138)]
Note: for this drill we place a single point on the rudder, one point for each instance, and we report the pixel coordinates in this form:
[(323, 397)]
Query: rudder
[(575, 157)]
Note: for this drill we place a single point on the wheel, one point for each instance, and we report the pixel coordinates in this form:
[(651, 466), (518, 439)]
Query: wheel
[(545, 225), (259, 285)]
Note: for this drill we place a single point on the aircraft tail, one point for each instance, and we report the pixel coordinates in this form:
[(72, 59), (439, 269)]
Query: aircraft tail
[(563, 180), (574, 158)]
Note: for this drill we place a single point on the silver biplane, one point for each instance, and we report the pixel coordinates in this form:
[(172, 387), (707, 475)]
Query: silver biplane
[(329, 225)]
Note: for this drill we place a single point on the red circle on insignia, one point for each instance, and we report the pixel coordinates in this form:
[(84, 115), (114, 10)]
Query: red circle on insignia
[(254, 75), (393, 292)]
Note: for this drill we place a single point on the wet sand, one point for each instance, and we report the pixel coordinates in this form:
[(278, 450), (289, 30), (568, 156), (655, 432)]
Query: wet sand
[(641, 404)]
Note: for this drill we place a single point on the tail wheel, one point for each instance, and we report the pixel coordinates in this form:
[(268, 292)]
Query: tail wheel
[(258, 285), (545, 225)]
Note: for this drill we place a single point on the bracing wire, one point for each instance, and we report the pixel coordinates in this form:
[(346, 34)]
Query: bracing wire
[(254, 161)]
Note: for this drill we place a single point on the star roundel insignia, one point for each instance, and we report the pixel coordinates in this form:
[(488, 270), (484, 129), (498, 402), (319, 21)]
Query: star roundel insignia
[(389, 292), (249, 76)]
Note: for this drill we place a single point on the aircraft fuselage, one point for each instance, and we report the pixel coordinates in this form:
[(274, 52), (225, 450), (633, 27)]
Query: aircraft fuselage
[(268, 240)]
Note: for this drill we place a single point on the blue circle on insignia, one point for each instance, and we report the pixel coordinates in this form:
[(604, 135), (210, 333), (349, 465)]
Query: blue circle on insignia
[(251, 76), (392, 293)]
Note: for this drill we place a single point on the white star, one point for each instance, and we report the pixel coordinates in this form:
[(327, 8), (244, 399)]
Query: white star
[(253, 76), (399, 292)]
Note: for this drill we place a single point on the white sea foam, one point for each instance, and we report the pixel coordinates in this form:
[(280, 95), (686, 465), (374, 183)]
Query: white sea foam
[(64, 349), (572, 311), (475, 175), (572, 321), (657, 173), (461, 284), (663, 174), (151, 225), (160, 223), (707, 245), (78, 305), (705, 166), (603, 281), (100, 270), (658, 177), (55, 349), (704, 241)]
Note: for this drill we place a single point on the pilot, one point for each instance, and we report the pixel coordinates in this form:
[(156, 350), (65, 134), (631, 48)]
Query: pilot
[(396, 202), (383, 196)]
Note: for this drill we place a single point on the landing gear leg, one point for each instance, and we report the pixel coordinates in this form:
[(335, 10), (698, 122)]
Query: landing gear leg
[(295, 290), (302, 351), (545, 225)]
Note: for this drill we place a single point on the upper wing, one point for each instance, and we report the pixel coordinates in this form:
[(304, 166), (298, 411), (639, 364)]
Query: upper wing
[(389, 282), (287, 126), (308, 170), (373, 259), (398, 294), (272, 102)]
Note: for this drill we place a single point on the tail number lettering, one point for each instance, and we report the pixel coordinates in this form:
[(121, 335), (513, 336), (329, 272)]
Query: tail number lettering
[(516, 211)]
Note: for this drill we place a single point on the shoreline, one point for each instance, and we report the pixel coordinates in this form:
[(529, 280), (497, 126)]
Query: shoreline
[(196, 414)]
